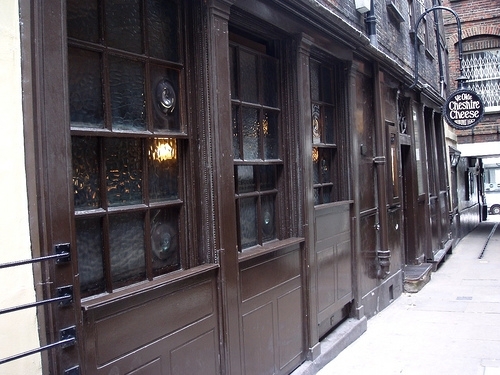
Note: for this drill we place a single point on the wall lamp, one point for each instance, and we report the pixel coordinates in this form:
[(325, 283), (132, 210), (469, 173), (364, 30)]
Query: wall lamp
[(362, 6)]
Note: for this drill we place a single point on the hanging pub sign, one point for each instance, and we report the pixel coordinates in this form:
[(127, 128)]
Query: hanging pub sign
[(463, 109)]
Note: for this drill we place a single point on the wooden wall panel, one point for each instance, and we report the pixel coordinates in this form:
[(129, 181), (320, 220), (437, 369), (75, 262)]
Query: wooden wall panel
[(333, 262), (161, 334), (272, 313)]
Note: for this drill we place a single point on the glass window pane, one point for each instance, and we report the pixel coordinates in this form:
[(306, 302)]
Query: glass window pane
[(233, 62), (126, 243), (267, 174), (85, 160), (326, 85), (271, 138), (250, 133), (83, 20), (268, 218), (163, 170), (315, 159), (165, 240), (248, 222), (165, 94), (126, 79), (327, 194), (316, 196), (270, 81), (325, 166), (236, 133), (85, 93), (329, 125), (248, 70), (245, 179), (316, 125), (163, 29), (90, 256), (123, 25), (123, 171), (314, 81)]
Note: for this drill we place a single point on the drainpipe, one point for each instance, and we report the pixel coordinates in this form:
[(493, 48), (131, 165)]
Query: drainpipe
[(371, 25), (383, 252), (438, 43)]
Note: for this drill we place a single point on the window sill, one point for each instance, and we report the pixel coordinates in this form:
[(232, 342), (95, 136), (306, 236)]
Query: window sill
[(145, 287), (269, 247)]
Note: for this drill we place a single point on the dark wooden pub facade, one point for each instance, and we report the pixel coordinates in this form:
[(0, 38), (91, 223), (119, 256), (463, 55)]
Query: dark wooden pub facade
[(234, 179)]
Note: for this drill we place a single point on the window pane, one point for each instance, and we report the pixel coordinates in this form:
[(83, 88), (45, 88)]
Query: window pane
[(314, 81), (163, 170), (245, 179), (123, 25), (236, 133), (165, 94), (90, 262), (250, 133), (165, 240), (316, 196), (163, 29), (328, 125), (248, 70), (85, 159), (270, 131), (325, 166), (83, 20), (327, 194), (123, 171), (268, 219), (270, 81), (326, 85), (267, 174), (248, 222), (233, 61), (126, 243), (316, 165), (316, 125), (127, 94), (85, 93)]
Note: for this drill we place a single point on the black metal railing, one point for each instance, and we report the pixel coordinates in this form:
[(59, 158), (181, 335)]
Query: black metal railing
[(67, 336)]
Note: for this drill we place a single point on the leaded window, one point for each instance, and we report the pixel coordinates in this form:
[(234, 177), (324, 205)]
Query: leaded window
[(129, 140), (326, 89), (256, 140), (482, 70)]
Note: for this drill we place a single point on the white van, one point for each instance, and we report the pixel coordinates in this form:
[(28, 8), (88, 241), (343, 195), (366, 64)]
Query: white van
[(493, 202)]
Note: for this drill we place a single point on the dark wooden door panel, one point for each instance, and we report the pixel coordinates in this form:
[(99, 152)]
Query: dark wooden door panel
[(272, 316), (333, 262)]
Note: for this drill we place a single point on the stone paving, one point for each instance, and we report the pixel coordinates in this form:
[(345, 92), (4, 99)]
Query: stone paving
[(451, 326)]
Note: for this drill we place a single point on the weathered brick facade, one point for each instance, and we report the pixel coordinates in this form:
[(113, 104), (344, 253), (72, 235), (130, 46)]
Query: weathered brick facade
[(480, 21)]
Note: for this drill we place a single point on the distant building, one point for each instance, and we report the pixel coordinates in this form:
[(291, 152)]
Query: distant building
[(215, 186), (478, 147)]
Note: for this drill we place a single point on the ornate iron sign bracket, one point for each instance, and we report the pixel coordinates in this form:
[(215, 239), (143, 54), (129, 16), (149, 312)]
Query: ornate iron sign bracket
[(463, 109), (461, 79)]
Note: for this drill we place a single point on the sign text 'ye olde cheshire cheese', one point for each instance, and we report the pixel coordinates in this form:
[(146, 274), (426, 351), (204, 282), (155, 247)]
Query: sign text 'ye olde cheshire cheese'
[(463, 109)]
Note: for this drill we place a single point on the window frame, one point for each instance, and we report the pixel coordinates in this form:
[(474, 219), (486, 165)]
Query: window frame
[(337, 181), (261, 49), (178, 206)]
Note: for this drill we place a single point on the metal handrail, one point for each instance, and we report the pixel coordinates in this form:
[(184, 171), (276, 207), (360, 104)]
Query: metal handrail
[(68, 338), (64, 298)]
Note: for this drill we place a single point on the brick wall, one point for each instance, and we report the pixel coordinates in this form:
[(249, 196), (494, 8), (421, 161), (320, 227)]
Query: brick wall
[(480, 20)]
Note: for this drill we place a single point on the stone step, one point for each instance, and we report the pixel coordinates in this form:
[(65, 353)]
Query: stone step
[(416, 276)]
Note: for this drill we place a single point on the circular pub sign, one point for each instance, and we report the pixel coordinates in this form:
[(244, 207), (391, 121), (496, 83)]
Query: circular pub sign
[(463, 109)]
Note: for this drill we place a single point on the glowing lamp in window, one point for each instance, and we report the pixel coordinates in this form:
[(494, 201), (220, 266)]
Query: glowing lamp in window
[(163, 149)]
